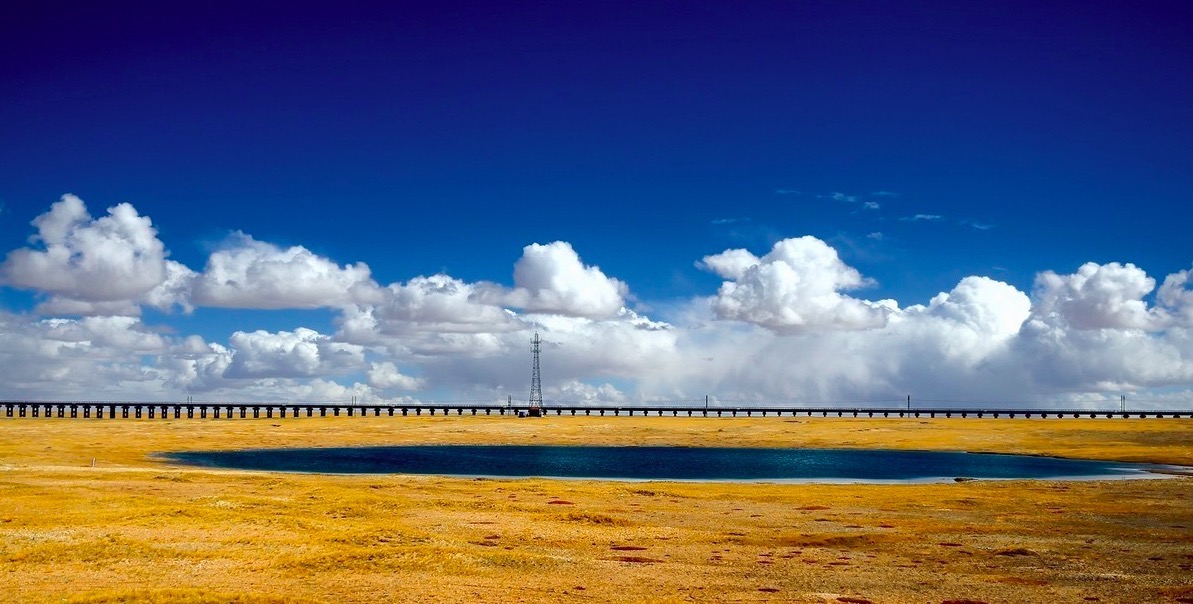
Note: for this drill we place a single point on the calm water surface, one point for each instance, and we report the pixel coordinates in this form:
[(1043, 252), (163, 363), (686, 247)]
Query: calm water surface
[(660, 463)]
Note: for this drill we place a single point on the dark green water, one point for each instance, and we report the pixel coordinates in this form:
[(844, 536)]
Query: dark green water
[(660, 463)]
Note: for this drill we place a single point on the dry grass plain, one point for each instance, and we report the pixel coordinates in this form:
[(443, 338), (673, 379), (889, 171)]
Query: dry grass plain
[(133, 529)]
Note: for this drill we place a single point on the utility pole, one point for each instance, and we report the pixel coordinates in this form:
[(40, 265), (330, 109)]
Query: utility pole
[(536, 381)]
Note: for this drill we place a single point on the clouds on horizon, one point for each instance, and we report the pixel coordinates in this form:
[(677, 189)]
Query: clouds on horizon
[(787, 325)]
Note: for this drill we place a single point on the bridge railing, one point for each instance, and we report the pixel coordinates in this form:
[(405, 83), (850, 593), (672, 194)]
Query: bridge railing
[(281, 410)]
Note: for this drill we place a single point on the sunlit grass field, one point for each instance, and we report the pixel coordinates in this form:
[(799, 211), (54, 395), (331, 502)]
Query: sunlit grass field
[(88, 514)]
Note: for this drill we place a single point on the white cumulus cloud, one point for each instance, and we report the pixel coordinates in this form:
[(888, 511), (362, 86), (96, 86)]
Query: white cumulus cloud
[(254, 274), (106, 265), (1097, 296), (385, 376), (300, 353), (796, 286), (551, 279)]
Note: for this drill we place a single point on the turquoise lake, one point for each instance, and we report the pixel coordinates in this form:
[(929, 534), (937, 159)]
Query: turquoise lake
[(662, 463)]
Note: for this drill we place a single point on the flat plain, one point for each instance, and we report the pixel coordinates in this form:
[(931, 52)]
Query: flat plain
[(89, 514)]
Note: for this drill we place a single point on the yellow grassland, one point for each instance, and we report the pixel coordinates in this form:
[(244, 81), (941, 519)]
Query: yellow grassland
[(87, 514)]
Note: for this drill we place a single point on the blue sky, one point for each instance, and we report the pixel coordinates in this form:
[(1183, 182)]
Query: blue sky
[(901, 149)]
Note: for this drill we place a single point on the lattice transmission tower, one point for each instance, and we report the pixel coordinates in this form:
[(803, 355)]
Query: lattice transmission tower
[(536, 380)]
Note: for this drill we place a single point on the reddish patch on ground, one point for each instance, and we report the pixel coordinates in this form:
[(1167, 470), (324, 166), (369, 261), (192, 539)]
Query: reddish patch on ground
[(559, 502), (769, 590), (627, 548), (638, 560), (814, 507), (962, 602), (851, 600), (1018, 551), (492, 536)]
